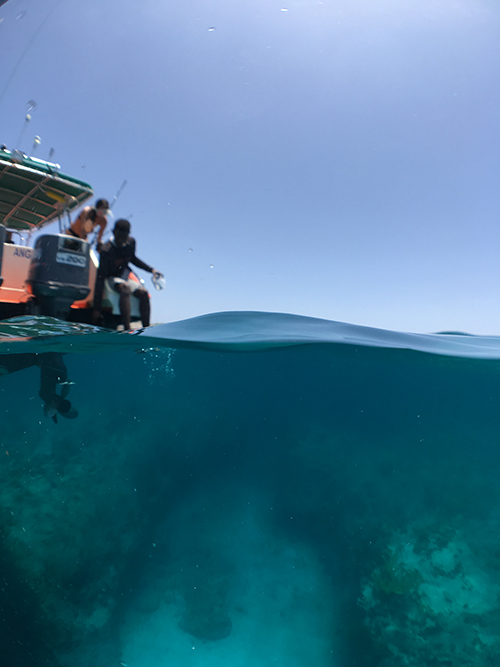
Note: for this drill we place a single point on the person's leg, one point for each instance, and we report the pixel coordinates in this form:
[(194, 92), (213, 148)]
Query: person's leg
[(124, 290), (53, 372), (144, 306)]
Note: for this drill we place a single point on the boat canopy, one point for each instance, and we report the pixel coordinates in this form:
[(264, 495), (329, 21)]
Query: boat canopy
[(33, 192)]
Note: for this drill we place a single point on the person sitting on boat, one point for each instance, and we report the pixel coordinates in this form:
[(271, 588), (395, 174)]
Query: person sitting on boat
[(90, 218), (114, 269)]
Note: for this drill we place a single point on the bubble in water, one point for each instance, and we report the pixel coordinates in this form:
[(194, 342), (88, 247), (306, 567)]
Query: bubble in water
[(21, 15), (211, 29), (283, 9), (211, 266), (159, 364), (190, 250), (36, 141)]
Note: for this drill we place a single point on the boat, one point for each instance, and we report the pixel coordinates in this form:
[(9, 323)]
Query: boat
[(55, 276)]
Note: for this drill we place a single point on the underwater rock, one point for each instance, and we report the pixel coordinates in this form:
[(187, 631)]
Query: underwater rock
[(149, 601), (206, 623)]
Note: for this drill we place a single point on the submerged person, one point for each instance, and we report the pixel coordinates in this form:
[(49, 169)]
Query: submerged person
[(53, 373), (89, 219), (114, 270)]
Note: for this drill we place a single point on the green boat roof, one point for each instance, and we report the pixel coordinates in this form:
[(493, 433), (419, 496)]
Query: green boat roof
[(34, 193)]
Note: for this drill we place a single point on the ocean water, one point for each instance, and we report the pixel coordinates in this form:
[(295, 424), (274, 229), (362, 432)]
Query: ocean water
[(249, 489)]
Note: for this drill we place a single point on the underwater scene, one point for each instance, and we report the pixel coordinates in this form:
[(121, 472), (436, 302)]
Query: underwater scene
[(245, 489)]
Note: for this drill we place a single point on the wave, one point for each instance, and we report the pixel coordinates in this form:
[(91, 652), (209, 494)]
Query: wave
[(234, 331)]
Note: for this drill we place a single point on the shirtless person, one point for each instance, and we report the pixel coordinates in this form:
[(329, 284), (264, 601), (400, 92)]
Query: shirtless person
[(90, 218)]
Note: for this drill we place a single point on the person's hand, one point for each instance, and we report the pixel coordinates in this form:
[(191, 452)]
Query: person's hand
[(158, 280)]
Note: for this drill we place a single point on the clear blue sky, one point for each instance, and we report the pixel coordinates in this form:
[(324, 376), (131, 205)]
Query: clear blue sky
[(338, 159)]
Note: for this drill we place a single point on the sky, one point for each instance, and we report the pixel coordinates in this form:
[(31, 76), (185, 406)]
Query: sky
[(337, 159)]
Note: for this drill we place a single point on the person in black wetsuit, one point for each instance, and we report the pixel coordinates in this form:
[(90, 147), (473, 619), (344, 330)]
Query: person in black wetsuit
[(53, 373), (114, 269)]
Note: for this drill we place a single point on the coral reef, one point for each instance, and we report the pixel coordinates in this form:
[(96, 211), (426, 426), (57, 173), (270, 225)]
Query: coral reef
[(396, 578), (64, 520), (433, 601)]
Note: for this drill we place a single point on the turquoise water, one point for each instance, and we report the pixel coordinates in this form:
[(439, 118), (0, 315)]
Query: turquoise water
[(247, 490)]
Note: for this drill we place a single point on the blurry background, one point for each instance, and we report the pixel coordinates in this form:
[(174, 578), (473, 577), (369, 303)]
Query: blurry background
[(338, 159)]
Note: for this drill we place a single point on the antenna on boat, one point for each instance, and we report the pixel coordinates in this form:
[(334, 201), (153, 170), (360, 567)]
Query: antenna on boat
[(27, 118), (118, 193), (36, 142)]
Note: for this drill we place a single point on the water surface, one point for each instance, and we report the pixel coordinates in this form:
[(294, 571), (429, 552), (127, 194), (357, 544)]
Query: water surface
[(248, 489)]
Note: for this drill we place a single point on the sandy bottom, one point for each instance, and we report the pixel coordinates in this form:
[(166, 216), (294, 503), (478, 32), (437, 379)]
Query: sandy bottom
[(237, 595)]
